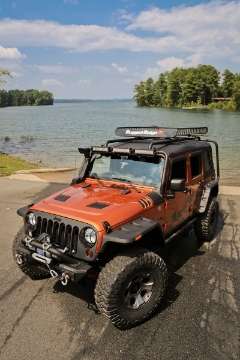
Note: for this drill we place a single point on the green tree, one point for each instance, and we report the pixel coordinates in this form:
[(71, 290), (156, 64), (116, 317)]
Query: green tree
[(159, 91), (190, 87), (228, 83), (3, 98), (149, 91), (208, 83), (156, 100), (31, 96), (175, 80), (139, 94), (236, 93), (44, 98), (25, 97), (184, 87)]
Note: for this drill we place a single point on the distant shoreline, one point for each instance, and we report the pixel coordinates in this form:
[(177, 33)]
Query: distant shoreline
[(71, 101)]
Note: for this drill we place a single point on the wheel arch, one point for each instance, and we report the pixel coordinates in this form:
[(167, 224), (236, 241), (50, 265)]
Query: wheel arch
[(149, 236), (210, 191)]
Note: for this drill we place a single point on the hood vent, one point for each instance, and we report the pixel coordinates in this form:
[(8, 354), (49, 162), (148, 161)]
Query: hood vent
[(116, 186), (62, 197), (124, 190), (145, 202), (98, 205)]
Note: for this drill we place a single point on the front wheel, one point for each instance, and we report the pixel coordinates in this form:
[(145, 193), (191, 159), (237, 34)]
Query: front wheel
[(130, 288)]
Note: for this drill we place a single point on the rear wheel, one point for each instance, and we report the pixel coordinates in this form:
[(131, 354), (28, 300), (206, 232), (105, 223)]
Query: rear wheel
[(206, 224), (30, 267), (131, 287)]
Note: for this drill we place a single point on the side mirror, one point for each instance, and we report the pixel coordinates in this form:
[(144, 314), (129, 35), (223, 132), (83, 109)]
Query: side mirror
[(178, 185)]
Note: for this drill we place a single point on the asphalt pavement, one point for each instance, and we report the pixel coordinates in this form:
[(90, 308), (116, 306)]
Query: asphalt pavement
[(199, 320)]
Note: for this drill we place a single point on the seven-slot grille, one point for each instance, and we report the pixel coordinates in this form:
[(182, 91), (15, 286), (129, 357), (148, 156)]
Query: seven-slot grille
[(61, 234)]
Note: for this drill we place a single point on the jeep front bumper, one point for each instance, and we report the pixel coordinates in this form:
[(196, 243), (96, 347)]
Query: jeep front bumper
[(54, 259)]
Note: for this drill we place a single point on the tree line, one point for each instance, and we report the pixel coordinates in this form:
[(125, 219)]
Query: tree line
[(25, 97), (201, 86), (22, 97)]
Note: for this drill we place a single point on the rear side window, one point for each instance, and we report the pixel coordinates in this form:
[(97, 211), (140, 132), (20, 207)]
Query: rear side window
[(196, 162), (207, 159), (179, 169)]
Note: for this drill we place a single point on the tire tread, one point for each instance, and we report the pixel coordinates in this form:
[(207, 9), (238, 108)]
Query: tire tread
[(106, 290)]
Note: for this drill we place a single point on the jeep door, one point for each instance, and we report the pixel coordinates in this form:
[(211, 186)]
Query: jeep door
[(196, 180), (176, 205)]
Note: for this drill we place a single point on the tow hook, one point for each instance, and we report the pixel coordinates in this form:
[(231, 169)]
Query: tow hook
[(65, 279), (19, 259), (53, 273)]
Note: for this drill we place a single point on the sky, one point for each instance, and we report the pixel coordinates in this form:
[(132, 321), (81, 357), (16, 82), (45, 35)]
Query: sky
[(98, 49)]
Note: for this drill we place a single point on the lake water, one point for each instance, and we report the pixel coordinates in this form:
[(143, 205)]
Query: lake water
[(52, 134)]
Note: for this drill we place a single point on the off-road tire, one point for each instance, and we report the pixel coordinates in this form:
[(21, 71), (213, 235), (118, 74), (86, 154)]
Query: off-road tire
[(206, 224), (29, 267), (113, 281)]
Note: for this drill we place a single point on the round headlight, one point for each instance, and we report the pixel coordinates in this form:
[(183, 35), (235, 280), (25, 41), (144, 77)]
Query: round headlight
[(32, 219), (90, 236)]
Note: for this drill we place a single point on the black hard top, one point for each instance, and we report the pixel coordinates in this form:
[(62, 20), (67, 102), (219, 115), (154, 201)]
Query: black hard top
[(168, 146)]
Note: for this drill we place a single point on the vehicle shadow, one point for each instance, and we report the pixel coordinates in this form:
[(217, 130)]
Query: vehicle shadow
[(222, 217), (176, 254)]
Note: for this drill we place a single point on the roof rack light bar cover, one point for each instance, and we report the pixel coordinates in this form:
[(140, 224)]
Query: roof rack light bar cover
[(192, 131), (159, 132)]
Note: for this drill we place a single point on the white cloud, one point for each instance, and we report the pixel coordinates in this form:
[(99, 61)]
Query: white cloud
[(80, 38), (189, 19), (51, 83), (120, 69), (10, 53), (169, 63), (56, 69), (172, 62), (209, 32), (122, 17), (209, 29)]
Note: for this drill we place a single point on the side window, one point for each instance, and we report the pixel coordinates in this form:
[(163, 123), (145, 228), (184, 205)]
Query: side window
[(196, 162), (179, 169), (207, 159)]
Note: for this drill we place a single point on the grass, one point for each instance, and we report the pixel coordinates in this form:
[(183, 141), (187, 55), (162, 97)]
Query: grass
[(10, 164)]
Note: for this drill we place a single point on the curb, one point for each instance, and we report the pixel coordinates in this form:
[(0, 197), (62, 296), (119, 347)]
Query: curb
[(44, 170)]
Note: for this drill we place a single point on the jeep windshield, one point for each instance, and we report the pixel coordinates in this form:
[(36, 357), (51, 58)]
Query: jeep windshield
[(132, 169)]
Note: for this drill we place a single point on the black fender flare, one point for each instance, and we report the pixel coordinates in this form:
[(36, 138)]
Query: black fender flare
[(23, 210), (209, 191), (133, 231)]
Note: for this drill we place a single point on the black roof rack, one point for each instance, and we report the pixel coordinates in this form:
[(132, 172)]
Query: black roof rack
[(158, 135)]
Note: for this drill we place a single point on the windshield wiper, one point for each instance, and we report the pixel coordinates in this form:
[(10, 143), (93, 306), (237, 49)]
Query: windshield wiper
[(121, 179)]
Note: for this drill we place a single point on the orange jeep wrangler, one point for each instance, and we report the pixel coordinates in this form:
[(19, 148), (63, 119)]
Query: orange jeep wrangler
[(132, 196)]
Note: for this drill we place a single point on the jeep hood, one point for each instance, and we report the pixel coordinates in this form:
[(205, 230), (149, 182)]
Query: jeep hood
[(94, 203)]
